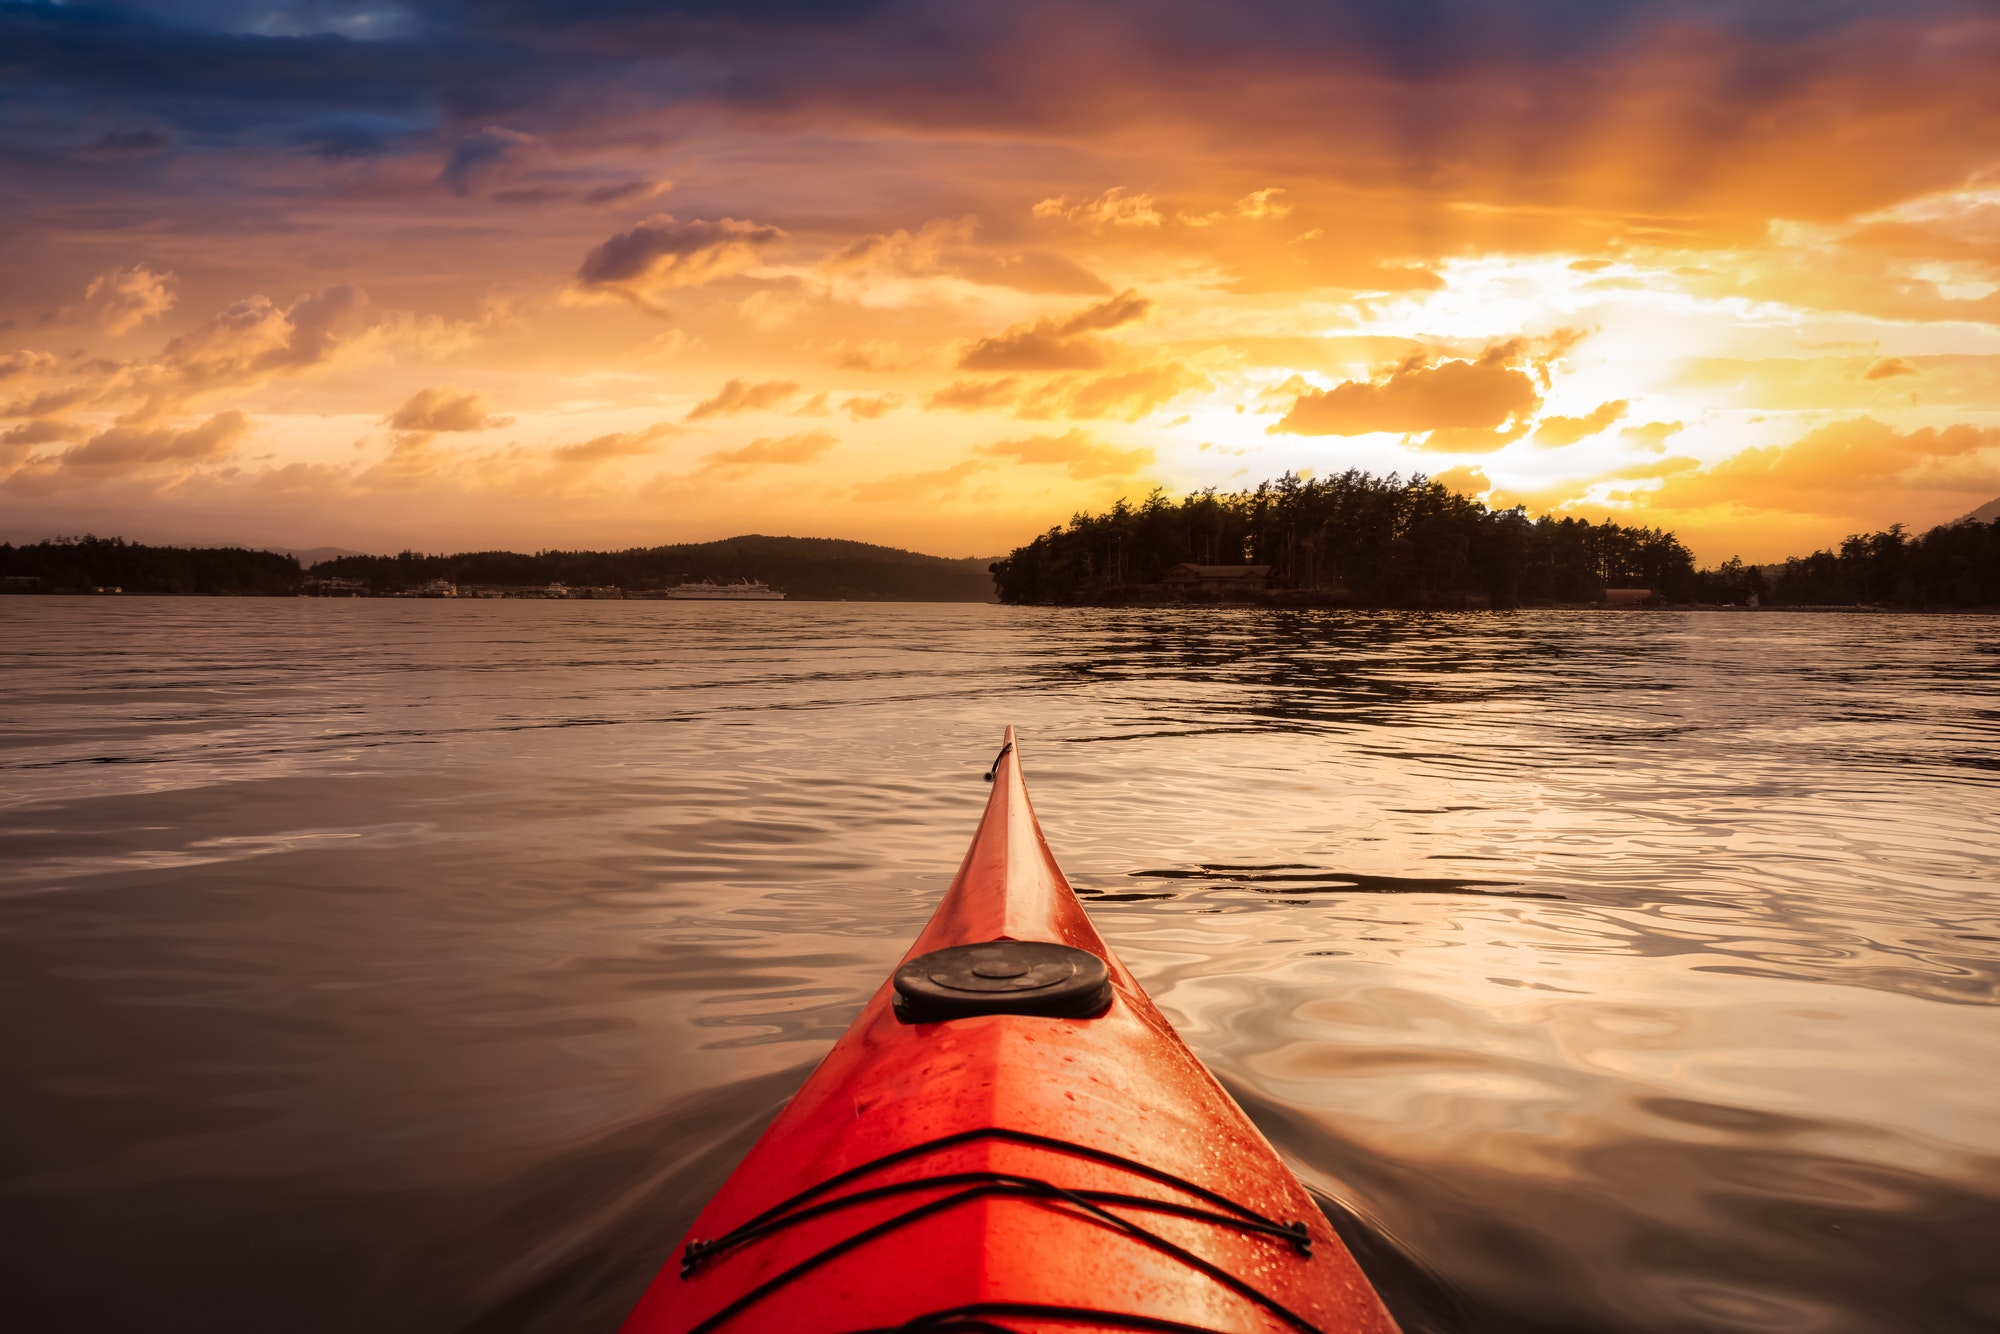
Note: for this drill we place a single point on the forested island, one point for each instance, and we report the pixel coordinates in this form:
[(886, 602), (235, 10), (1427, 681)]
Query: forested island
[(1360, 540), (803, 568)]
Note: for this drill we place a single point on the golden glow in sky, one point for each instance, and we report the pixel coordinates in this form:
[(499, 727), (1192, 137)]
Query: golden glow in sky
[(603, 275)]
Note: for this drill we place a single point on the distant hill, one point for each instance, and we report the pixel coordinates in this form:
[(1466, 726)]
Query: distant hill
[(311, 556), (1986, 513), (806, 568)]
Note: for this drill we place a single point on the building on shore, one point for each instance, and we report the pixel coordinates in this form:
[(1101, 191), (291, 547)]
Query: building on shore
[(1219, 578), (1628, 597)]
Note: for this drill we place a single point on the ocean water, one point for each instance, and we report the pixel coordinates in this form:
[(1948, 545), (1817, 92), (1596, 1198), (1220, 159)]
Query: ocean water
[(422, 966)]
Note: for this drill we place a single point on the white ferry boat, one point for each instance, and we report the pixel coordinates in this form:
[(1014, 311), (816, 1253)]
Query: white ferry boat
[(745, 590)]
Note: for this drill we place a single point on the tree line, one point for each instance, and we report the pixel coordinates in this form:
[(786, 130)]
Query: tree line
[(85, 564), (801, 567), (1355, 537), (1952, 565)]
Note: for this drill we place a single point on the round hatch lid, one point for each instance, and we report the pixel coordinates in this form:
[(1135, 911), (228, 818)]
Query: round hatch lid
[(1002, 977)]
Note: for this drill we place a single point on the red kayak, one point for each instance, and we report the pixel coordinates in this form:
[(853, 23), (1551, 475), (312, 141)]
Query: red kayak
[(1010, 1139)]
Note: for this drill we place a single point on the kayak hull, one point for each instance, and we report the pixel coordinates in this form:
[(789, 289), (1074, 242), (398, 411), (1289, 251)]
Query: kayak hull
[(1025, 1171)]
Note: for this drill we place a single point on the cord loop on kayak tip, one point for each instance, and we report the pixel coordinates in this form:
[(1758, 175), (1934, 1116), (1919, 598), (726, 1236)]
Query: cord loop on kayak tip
[(994, 769), (977, 1185)]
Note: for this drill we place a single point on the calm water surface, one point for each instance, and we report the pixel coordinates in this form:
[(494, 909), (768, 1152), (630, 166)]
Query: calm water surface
[(395, 966)]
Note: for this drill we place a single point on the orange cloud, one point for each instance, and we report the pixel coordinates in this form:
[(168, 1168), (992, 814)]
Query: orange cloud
[(1129, 394), (26, 362), (791, 449), (944, 247), (1075, 452), (1116, 207), (1055, 345), (1483, 395), (124, 299), (126, 449), (617, 445), (975, 395), (917, 486), (1554, 432), (863, 408), (1835, 468), (1653, 435), (444, 410), (739, 396)]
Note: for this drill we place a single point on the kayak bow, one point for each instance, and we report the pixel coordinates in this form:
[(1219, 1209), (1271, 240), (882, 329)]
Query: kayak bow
[(1011, 1138)]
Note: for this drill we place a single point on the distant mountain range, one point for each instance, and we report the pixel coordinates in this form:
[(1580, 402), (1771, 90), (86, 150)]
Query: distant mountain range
[(1986, 513)]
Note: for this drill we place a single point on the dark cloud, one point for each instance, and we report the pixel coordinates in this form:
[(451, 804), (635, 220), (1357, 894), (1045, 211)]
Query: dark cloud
[(127, 143), (478, 157), (662, 253)]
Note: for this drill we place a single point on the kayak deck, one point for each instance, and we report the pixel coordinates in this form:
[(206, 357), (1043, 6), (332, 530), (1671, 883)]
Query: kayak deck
[(1010, 1171)]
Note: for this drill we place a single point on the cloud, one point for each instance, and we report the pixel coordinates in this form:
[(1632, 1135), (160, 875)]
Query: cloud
[(661, 253), (919, 485), (790, 449), (1078, 454), (869, 408), (1055, 345), (1114, 208), (1464, 480), (1127, 394), (1652, 435), (739, 396), (126, 449), (975, 395), (1887, 367), (445, 410), (1260, 205), (626, 192), (26, 362), (1830, 469), (43, 431), (255, 337), (618, 445), (478, 157), (1554, 432), (944, 247), (124, 299), (1482, 395)]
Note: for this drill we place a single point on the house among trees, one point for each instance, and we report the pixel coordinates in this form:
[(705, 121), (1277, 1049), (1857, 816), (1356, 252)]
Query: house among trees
[(1219, 578), (1628, 597)]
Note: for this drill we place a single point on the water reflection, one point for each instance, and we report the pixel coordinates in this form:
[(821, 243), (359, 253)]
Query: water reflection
[(422, 967)]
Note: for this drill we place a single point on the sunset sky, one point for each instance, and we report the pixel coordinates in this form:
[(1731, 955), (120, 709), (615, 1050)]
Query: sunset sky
[(614, 272)]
